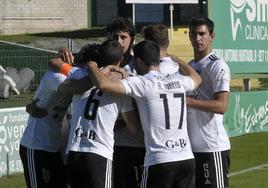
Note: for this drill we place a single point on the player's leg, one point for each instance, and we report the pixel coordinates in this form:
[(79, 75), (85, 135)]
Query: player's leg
[(89, 170), (185, 177), (29, 171), (212, 169), (42, 169), (57, 169), (101, 169), (74, 169), (127, 166), (160, 175)]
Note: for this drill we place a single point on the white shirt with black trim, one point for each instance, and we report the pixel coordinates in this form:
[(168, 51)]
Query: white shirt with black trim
[(162, 108), (93, 119), (206, 129), (45, 133), (168, 66), (123, 137)]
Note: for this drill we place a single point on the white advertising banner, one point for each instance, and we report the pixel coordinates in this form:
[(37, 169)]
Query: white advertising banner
[(12, 124), (162, 1)]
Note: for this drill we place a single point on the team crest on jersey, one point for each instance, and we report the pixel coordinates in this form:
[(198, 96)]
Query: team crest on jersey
[(46, 175)]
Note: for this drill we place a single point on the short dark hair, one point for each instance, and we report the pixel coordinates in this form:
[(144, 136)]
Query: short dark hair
[(89, 52), (201, 20), (121, 24), (111, 52), (157, 33), (148, 51)]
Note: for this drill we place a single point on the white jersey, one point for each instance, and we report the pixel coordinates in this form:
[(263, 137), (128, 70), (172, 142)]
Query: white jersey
[(162, 109), (168, 66), (45, 133), (206, 129), (94, 116), (123, 137)]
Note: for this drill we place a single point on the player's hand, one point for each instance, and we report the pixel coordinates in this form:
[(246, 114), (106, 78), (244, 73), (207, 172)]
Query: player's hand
[(111, 68), (66, 55), (35, 111)]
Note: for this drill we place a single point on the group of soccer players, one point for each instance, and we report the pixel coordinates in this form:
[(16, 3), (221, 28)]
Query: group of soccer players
[(143, 120)]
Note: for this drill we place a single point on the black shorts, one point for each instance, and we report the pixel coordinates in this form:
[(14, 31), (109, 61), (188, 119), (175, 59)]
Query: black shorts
[(212, 169), (177, 174), (89, 170), (127, 166), (43, 169)]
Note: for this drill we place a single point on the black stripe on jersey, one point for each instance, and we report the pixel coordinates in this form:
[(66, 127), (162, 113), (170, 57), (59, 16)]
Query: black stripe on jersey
[(213, 57)]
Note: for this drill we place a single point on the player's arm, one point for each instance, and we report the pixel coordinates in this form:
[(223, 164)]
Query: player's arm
[(103, 82), (133, 123), (64, 63), (187, 70), (58, 65), (75, 86), (35, 111), (217, 105)]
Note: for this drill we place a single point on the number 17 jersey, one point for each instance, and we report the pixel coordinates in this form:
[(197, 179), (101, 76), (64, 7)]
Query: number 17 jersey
[(162, 108)]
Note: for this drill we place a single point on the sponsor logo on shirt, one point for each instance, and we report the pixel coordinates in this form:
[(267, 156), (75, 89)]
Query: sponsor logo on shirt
[(90, 134), (181, 143)]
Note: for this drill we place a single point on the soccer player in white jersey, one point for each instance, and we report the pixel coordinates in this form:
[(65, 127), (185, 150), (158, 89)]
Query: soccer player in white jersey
[(90, 146), (207, 104), (158, 33), (62, 65), (41, 141), (169, 161), (129, 151)]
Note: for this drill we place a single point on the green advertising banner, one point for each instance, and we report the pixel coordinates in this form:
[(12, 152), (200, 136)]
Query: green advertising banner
[(241, 28), (12, 124), (247, 113)]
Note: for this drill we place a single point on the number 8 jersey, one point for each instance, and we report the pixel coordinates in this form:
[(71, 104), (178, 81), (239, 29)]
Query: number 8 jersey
[(162, 108)]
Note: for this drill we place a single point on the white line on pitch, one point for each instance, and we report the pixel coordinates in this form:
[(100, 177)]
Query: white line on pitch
[(248, 170)]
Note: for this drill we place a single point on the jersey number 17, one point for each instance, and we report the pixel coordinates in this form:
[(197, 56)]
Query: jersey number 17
[(166, 108)]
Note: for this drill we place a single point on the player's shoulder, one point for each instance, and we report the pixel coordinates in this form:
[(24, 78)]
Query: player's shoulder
[(50, 75), (216, 62), (214, 58), (77, 73)]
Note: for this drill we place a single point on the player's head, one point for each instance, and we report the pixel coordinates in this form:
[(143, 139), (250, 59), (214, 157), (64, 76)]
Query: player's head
[(89, 52), (122, 30), (147, 54), (111, 53), (157, 33), (201, 35), (199, 21)]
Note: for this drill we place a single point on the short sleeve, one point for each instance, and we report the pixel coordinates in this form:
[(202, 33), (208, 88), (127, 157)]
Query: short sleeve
[(221, 77), (56, 80), (127, 103), (187, 83), (135, 86), (77, 73)]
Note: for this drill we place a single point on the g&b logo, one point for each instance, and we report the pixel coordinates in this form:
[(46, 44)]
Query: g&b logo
[(252, 13), (181, 143)]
